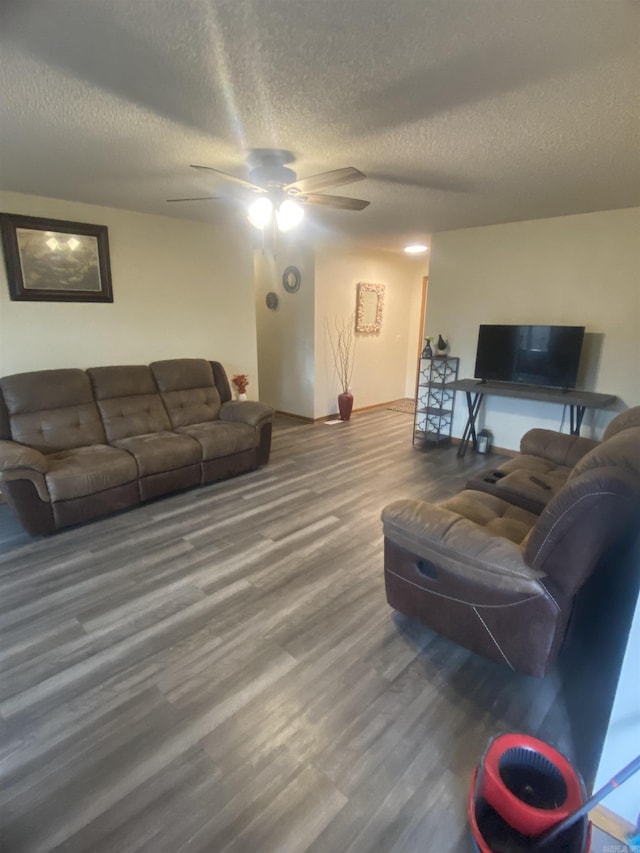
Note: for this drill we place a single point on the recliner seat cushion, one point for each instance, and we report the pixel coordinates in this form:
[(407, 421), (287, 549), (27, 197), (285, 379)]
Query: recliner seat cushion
[(159, 452), (497, 515), (85, 471)]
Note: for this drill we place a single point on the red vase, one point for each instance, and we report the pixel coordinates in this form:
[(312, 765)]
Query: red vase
[(345, 404)]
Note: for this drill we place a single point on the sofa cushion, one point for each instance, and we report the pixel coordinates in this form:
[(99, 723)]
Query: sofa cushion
[(52, 410), (86, 470), (498, 516), (556, 447), (129, 401), (159, 452), (188, 390), (221, 439)]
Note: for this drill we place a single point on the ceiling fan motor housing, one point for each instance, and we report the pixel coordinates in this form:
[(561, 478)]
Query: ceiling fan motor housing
[(269, 176)]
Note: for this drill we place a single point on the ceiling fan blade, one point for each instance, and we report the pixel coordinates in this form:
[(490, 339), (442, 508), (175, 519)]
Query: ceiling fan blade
[(196, 198), (246, 184), (339, 202), (325, 181)]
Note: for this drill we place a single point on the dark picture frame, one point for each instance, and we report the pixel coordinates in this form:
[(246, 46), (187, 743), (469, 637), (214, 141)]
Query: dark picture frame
[(53, 260)]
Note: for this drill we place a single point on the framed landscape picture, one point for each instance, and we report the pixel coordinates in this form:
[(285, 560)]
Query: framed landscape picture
[(50, 260)]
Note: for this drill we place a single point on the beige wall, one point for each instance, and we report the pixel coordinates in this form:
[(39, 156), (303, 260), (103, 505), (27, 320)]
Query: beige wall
[(286, 360), (384, 362), (181, 289), (574, 270)]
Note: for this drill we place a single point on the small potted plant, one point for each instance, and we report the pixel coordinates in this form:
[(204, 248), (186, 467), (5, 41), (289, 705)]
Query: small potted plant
[(240, 382)]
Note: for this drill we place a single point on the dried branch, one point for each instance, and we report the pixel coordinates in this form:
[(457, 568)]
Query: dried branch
[(343, 346)]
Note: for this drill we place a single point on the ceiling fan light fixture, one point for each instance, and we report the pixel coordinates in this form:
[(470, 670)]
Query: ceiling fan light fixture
[(260, 212), (288, 215), (416, 249)]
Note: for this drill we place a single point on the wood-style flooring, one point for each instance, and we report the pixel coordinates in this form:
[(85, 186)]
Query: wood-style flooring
[(219, 670)]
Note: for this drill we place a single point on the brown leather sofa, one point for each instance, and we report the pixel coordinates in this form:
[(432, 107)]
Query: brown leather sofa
[(500, 579), (77, 444)]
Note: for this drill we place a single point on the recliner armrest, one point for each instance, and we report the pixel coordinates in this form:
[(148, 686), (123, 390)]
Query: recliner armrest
[(557, 447), (249, 412), (14, 456)]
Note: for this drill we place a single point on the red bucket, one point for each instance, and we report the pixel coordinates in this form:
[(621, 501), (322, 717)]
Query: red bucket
[(522, 788)]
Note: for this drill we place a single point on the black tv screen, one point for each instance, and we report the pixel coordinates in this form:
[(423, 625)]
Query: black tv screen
[(530, 355)]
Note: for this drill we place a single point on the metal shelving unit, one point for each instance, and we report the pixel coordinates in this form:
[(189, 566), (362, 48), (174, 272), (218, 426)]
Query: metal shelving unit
[(434, 401)]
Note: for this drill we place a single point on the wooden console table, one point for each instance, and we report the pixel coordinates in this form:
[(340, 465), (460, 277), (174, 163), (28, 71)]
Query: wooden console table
[(476, 391)]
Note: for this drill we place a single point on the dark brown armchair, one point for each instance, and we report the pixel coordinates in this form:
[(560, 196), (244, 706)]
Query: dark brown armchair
[(499, 579)]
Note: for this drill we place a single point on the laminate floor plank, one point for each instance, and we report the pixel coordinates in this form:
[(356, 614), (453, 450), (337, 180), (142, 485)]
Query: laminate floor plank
[(219, 670)]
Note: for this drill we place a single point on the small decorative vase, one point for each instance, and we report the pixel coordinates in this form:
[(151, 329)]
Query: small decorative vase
[(442, 346), (345, 405), (241, 396), (427, 352)]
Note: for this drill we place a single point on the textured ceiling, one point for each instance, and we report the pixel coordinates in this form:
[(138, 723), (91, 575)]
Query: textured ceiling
[(460, 112)]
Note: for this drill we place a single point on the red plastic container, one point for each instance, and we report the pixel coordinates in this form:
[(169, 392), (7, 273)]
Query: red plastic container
[(522, 788), (529, 783)]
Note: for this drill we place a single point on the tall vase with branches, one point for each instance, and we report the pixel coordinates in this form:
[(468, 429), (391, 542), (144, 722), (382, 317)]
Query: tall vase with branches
[(343, 347)]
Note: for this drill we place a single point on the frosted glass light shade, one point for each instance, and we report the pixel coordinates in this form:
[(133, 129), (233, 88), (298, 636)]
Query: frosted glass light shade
[(288, 215), (260, 212)]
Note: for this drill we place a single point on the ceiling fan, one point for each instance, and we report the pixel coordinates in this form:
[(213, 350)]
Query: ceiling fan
[(278, 189)]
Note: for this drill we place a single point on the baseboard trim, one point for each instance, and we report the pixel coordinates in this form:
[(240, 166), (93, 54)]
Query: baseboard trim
[(300, 418), (611, 823), (334, 415)]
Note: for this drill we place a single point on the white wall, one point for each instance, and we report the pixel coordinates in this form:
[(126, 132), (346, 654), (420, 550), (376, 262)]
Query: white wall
[(286, 360), (385, 362), (181, 289), (573, 270)]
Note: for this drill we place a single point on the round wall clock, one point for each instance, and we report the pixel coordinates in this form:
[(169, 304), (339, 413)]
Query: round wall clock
[(272, 301), (291, 279)]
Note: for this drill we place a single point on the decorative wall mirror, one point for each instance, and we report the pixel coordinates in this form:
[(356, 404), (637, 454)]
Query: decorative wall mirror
[(369, 305)]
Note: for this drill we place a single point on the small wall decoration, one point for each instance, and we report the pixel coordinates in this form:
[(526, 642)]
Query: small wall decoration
[(272, 301), (291, 279), (52, 260), (369, 305)]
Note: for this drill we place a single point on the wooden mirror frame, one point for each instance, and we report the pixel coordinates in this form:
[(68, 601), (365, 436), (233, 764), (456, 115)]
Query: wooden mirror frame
[(366, 321)]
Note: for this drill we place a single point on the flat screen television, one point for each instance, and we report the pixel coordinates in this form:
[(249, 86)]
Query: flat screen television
[(547, 356)]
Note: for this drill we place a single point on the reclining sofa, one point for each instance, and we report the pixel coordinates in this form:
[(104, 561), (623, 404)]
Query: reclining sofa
[(76, 444), (497, 567)]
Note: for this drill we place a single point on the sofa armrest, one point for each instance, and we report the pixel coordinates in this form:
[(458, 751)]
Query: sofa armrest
[(557, 447), (448, 539), (19, 462), (248, 412), (14, 455)]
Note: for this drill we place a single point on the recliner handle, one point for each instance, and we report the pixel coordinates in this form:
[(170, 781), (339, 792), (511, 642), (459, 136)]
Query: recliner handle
[(427, 569)]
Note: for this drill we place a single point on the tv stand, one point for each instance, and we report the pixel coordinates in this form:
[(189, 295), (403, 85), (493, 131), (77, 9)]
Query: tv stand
[(578, 402)]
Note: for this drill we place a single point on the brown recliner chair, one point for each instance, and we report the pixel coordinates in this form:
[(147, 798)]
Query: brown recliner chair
[(499, 579)]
